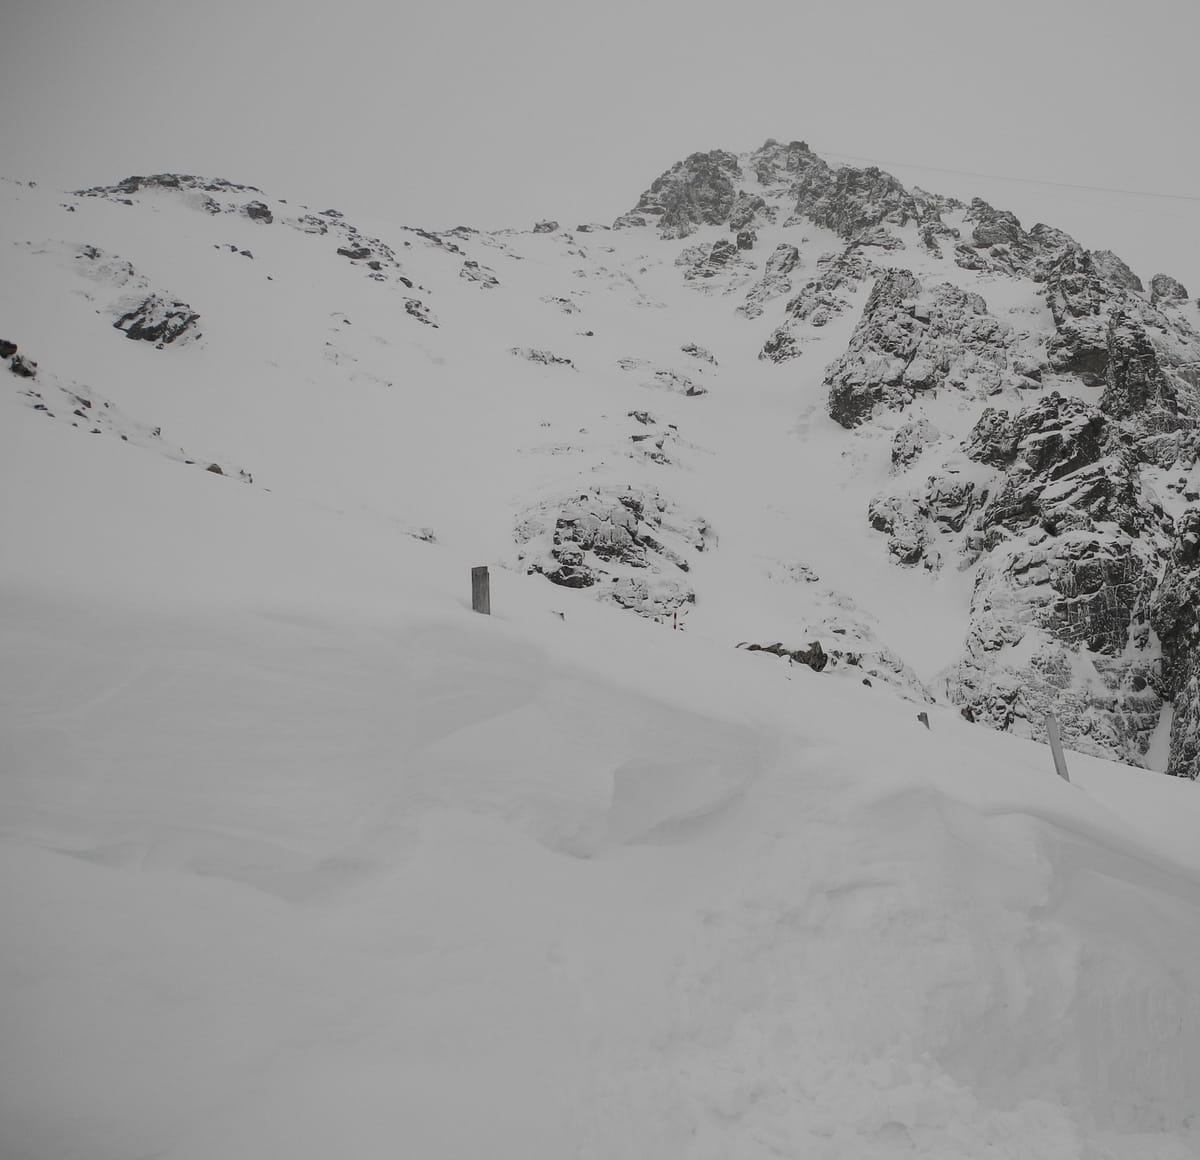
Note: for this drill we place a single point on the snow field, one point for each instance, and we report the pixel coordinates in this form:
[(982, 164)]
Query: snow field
[(301, 855)]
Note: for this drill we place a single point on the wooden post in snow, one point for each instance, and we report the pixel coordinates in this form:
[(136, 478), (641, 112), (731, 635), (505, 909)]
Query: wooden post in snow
[(481, 591), (1060, 760)]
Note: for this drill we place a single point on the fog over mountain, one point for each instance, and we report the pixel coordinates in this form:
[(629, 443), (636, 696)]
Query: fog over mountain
[(810, 490)]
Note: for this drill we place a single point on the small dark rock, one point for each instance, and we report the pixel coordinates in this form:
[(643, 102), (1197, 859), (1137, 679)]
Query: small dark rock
[(7, 349), (215, 468), (23, 367), (257, 211)]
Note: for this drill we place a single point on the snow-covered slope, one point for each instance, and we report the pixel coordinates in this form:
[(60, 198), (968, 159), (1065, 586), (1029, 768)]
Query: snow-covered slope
[(302, 855)]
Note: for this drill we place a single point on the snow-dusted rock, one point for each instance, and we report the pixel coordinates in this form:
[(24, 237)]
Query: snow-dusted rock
[(1164, 288), (483, 276), (700, 190), (911, 441), (717, 264), (1175, 617), (775, 281), (911, 340), (631, 545), (1113, 270), (22, 366), (820, 300), (159, 320), (545, 357)]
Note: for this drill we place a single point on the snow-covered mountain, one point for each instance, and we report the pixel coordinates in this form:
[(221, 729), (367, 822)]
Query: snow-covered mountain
[(301, 855), (784, 401)]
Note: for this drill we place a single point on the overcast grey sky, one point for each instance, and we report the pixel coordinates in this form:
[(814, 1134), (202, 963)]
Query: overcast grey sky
[(492, 114)]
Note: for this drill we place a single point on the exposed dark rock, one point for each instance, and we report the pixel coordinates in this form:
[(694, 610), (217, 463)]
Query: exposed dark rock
[(995, 227), (746, 239), (877, 238), (749, 210), (22, 366), (7, 349), (909, 341), (1164, 288), (417, 309), (850, 201), (1113, 270), (258, 211), (778, 166), (910, 441), (482, 276), (1135, 385), (716, 266), (630, 545), (775, 281), (215, 468), (1079, 299), (700, 352), (541, 356), (1066, 470), (913, 520), (819, 300), (696, 191), (354, 253), (1050, 241), (159, 321), (1175, 618), (814, 655), (546, 227)]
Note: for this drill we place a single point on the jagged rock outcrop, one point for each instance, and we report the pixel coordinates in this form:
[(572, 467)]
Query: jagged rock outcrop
[(1079, 299), (910, 340), (22, 366), (417, 309), (160, 321), (820, 300), (850, 201), (662, 378), (1066, 468), (700, 190), (258, 211), (631, 545), (1175, 618), (749, 210), (483, 276), (545, 357), (1164, 288), (774, 283), (718, 261), (1116, 272), (1136, 387), (1068, 563), (814, 656), (915, 520), (910, 442), (702, 353), (7, 349)]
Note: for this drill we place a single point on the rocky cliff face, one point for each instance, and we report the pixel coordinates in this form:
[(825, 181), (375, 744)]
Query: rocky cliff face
[(1038, 398)]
